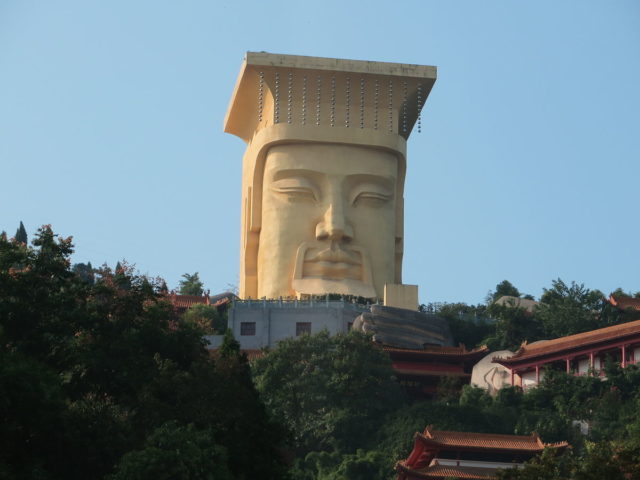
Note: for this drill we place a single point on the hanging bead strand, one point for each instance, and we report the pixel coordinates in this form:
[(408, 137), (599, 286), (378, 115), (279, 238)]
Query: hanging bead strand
[(260, 95), (375, 105), (276, 109), (303, 116), (404, 107), (348, 103), (362, 103), (318, 89), (419, 108), (289, 96), (333, 101), (390, 106)]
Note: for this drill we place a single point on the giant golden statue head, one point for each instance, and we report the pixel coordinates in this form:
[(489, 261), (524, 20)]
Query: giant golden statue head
[(323, 173)]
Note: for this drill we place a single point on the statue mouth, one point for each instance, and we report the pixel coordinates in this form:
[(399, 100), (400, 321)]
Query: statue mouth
[(332, 263), (330, 268), (333, 254)]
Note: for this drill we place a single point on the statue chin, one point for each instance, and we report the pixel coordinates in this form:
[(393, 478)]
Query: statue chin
[(327, 272)]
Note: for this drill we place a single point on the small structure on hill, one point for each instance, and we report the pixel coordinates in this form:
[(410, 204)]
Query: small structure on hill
[(440, 454), (580, 354), (510, 301)]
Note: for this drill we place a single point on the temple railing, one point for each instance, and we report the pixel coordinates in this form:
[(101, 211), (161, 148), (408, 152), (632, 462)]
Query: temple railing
[(294, 303)]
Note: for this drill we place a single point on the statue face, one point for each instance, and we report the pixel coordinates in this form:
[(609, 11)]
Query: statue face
[(328, 221)]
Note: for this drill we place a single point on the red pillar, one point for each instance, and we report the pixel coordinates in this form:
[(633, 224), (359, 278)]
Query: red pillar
[(623, 362), (512, 377), (568, 365), (537, 374)]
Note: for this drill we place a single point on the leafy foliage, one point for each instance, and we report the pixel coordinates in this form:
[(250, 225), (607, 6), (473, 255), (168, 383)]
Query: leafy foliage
[(207, 318), (568, 309), (505, 288), (191, 285), (330, 392), (85, 271), (469, 324), (174, 452), (21, 234), (92, 372), (512, 326)]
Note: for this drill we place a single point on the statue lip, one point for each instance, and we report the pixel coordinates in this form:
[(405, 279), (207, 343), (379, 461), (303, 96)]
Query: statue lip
[(333, 254)]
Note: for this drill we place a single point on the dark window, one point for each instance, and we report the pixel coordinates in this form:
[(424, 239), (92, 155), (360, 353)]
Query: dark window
[(247, 328), (303, 328)]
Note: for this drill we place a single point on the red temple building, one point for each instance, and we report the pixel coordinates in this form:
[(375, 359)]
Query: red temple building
[(442, 455), (182, 303), (420, 370), (580, 354), (629, 306)]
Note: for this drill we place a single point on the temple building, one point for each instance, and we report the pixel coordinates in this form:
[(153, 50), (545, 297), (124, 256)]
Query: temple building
[(629, 307), (443, 454), (579, 354), (420, 370), (182, 303)]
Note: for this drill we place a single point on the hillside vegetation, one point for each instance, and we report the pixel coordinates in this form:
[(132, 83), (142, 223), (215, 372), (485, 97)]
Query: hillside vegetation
[(99, 380)]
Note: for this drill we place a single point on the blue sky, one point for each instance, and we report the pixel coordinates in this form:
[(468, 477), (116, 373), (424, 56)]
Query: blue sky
[(527, 167)]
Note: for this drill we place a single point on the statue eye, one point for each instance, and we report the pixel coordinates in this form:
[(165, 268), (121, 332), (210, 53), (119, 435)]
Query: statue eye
[(372, 195), (295, 189)]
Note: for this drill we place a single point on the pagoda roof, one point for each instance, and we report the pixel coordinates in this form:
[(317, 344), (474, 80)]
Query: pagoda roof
[(432, 351), (188, 301), (423, 462), (572, 342), (483, 441), (438, 471), (624, 303)]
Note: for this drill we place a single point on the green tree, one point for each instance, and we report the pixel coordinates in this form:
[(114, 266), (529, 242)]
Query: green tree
[(469, 324), (512, 325), (85, 272), (91, 371), (361, 465), (331, 392), (569, 309), (21, 234), (191, 285), (207, 318), (175, 452), (230, 346), (505, 287)]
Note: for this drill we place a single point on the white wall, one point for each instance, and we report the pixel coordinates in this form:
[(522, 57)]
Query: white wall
[(275, 321)]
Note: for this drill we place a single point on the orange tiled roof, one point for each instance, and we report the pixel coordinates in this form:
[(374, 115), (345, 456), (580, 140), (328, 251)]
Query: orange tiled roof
[(485, 441), (625, 302), (187, 301), (572, 341), (448, 471), (436, 350)]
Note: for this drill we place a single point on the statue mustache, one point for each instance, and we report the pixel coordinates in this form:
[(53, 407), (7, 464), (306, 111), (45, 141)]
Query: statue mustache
[(335, 254)]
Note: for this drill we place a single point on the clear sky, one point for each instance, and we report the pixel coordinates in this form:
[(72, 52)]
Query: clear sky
[(527, 167)]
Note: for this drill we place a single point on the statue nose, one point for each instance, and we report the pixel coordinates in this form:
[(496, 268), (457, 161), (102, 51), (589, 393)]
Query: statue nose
[(334, 225)]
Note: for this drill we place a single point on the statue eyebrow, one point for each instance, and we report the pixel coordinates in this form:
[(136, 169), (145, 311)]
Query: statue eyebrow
[(296, 172), (360, 178)]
